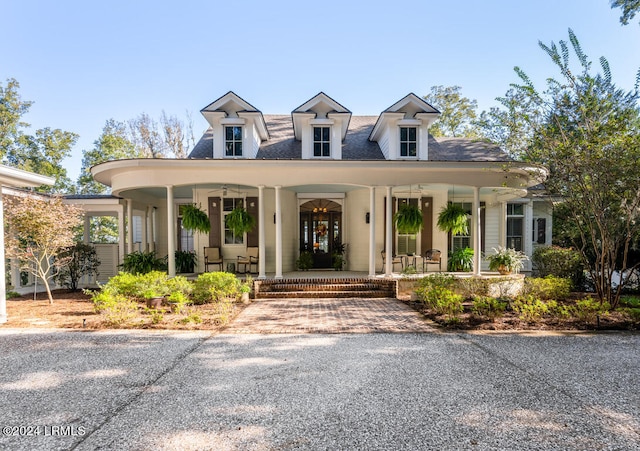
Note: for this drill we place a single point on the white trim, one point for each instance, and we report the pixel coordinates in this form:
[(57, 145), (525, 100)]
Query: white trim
[(320, 195)]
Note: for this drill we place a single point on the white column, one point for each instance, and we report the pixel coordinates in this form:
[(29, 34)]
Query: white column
[(121, 234), (477, 251), (261, 235), (278, 235), (502, 241), (129, 226), (171, 232), (154, 232), (143, 243), (3, 283), (372, 231), (388, 239), (86, 235)]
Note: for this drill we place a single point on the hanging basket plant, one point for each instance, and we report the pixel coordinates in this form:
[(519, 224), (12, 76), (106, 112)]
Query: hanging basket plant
[(240, 221), (453, 219), (408, 219), (195, 219)]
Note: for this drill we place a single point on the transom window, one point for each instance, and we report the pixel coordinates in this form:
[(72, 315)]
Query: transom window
[(408, 142), (515, 226), (233, 141), (321, 141), (228, 204)]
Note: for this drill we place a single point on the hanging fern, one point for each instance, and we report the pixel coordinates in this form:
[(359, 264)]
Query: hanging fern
[(195, 219), (408, 219), (240, 221), (453, 218)]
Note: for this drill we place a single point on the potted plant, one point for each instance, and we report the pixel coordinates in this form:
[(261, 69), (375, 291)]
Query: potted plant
[(185, 261), (408, 219), (305, 262), (461, 260), (245, 289), (506, 260), (240, 221), (194, 219), (453, 219)]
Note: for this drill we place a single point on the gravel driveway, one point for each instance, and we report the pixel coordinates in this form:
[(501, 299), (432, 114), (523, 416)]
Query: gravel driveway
[(164, 391)]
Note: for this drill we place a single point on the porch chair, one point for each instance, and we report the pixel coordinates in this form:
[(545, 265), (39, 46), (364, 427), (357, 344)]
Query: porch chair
[(395, 260), (250, 259), (212, 256), (432, 257)]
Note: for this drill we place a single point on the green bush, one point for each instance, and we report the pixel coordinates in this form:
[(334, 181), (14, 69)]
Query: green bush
[(180, 284), (154, 284), (530, 308), (179, 300), (549, 287), (437, 294), (588, 310), (143, 262), (214, 286), (472, 287), (489, 307), (630, 301), (559, 262), (156, 315), (124, 283), (115, 307), (632, 313), (74, 262)]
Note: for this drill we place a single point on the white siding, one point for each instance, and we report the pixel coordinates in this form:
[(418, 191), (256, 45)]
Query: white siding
[(493, 216)]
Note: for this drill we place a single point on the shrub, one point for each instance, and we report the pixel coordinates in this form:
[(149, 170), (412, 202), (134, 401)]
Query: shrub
[(305, 262), (530, 308), (488, 306), (549, 287), (185, 261), (630, 301), (437, 294), (156, 315), (154, 284), (214, 286), (115, 307), (472, 287), (193, 317), (588, 309), (124, 283), (12, 294), (632, 313), (143, 262), (180, 284), (76, 261), (179, 300), (559, 262)]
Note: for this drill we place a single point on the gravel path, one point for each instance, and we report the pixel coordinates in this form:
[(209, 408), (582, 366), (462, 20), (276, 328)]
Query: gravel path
[(164, 391)]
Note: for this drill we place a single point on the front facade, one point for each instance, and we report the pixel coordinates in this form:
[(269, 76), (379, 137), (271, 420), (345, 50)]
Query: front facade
[(320, 178)]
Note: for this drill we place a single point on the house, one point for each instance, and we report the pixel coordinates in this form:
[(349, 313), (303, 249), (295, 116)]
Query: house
[(320, 177)]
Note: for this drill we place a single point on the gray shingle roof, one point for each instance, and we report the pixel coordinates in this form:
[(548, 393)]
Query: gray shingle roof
[(356, 146)]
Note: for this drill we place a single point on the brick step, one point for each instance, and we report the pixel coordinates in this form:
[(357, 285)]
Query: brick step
[(325, 287), (326, 294)]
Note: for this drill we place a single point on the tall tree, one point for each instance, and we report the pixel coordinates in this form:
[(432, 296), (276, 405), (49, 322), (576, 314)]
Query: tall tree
[(147, 136), (112, 144), (587, 132), (12, 108), (457, 113), (41, 152), (174, 135), (37, 233), (629, 9)]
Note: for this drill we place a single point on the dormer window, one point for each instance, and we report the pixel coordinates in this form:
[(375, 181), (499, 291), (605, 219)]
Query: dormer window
[(321, 141), (233, 141), (408, 142)]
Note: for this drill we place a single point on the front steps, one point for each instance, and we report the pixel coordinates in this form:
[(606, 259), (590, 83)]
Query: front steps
[(325, 288)]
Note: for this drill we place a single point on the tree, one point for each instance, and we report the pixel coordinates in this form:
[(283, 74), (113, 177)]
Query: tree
[(38, 231), (112, 144), (629, 9), (174, 135), (144, 133), (587, 132), (457, 113), (42, 152), (12, 108), (78, 260)]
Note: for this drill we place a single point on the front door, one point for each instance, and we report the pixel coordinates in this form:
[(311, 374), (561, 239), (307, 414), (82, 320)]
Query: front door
[(320, 230)]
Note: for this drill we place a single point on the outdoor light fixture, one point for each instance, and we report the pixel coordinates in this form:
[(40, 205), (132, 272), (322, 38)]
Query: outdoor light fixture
[(367, 217), (224, 190)]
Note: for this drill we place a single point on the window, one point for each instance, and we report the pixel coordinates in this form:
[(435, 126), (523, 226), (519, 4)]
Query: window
[(408, 142), (321, 141), (407, 243), (515, 226), (228, 205), (539, 230), (233, 141), (462, 241), (185, 237)]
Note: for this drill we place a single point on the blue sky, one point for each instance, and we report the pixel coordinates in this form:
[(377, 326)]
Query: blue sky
[(84, 62)]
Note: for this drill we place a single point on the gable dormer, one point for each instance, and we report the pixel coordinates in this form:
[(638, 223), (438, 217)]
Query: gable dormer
[(402, 130), (321, 125), (238, 127)]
